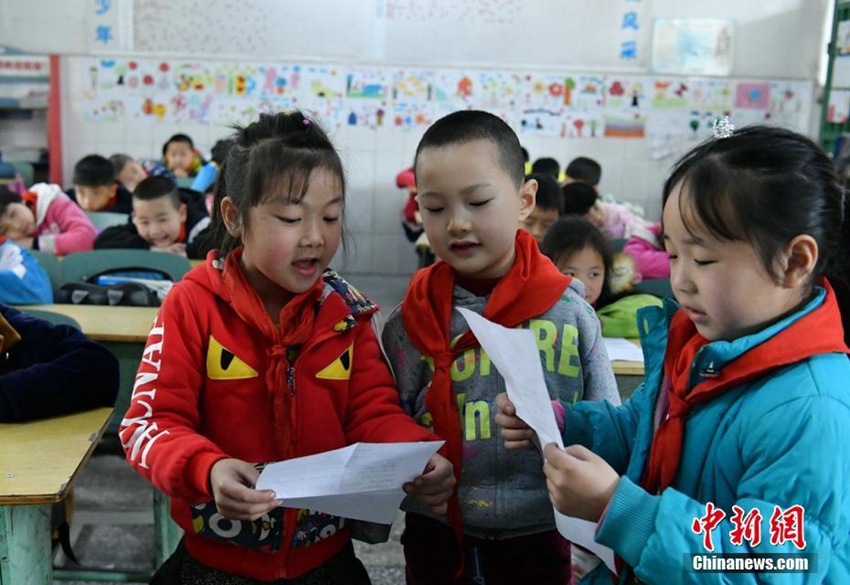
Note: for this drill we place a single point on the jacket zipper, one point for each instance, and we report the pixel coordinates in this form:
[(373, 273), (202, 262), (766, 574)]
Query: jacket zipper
[(290, 371), (289, 527), (290, 378)]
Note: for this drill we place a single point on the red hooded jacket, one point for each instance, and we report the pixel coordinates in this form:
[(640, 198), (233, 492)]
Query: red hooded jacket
[(206, 389)]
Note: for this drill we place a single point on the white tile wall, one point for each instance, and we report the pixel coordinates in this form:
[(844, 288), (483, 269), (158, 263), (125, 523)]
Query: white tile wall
[(371, 158)]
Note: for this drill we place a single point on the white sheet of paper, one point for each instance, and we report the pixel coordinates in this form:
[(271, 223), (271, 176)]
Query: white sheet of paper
[(622, 349), (514, 353), (372, 506), (362, 481)]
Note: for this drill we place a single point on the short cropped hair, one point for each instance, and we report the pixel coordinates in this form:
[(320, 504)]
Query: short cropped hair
[(468, 125), (157, 187), (549, 194), (7, 197), (94, 171), (585, 170), (579, 198), (119, 161), (546, 166)]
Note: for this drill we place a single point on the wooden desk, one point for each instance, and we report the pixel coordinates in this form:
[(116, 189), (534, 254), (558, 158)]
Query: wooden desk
[(124, 330), (629, 375), (38, 464), (104, 323), (622, 368)]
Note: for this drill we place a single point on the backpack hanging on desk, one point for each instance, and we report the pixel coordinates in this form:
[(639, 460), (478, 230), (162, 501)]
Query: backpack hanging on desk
[(100, 289), (121, 294)]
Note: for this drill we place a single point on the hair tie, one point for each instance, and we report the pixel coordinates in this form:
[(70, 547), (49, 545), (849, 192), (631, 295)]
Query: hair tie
[(722, 127), (305, 121)]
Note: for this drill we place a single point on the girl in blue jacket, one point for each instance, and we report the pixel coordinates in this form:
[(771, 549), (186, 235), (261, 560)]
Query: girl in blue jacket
[(739, 439)]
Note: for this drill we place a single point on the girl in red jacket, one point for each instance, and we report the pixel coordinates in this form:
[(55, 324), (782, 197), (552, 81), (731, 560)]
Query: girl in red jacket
[(262, 355)]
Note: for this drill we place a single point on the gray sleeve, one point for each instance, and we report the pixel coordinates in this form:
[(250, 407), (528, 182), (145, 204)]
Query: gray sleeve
[(599, 380), (403, 359), (390, 334)]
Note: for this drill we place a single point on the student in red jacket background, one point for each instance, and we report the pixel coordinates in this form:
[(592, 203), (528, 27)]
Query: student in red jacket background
[(262, 355)]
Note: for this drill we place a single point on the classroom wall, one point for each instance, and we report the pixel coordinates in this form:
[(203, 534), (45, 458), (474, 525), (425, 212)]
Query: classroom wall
[(633, 169)]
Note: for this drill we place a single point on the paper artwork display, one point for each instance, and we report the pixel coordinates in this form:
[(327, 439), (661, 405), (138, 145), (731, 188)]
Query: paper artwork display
[(838, 108), (692, 46), (564, 105)]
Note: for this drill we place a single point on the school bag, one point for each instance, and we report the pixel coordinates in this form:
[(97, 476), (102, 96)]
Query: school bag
[(133, 288)]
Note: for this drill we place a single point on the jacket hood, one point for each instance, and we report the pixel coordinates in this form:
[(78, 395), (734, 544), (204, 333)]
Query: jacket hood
[(340, 305)]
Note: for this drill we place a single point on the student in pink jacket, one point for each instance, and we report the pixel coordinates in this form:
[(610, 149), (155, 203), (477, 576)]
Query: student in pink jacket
[(44, 218), (651, 259)]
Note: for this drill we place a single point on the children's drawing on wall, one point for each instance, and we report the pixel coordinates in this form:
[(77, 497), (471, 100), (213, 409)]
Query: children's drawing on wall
[(699, 46), (372, 84), (670, 92), (324, 82), (453, 86), (584, 92), (586, 125), (553, 104), (411, 115), (412, 86), (279, 80), (626, 92), (547, 91), (622, 126), (109, 110), (543, 121), (365, 114), (711, 94), (753, 96), (788, 102), (496, 91)]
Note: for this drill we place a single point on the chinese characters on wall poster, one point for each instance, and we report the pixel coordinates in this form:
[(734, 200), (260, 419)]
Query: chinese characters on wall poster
[(555, 103)]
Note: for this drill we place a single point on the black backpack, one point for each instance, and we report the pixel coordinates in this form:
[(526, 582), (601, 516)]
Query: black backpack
[(132, 294)]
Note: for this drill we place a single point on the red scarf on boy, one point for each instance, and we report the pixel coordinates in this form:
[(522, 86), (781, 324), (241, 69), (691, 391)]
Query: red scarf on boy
[(815, 333), (530, 288)]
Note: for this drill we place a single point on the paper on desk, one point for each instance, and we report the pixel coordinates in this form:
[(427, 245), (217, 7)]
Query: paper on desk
[(514, 353), (362, 481), (620, 348)]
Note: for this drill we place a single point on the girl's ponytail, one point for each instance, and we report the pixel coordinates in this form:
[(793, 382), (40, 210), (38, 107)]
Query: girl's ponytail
[(225, 242), (838, 269)]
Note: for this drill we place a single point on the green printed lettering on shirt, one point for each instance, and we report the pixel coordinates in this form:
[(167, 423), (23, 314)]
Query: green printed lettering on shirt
[(569, 349), (479, 409), (545, 334), (464, 366)]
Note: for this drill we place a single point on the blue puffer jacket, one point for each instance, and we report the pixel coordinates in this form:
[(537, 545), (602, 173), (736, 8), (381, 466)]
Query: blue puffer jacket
[(779, 441), (22, 280)]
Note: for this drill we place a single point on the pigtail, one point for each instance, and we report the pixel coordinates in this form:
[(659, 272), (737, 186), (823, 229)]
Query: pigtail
[(226, 243), (838, 269)]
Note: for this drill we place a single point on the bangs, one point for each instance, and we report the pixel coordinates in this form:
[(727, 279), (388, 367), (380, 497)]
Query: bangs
[(280, 172), (708, 197)]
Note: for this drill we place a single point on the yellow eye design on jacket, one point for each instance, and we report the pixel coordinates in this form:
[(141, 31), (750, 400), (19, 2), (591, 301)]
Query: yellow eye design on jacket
[(222, 364), (340, 368)]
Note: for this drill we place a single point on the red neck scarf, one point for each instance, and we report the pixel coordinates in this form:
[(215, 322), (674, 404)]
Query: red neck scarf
[(113, 199), (297, 318), (30, 200), (793, 344), (531, 287)]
